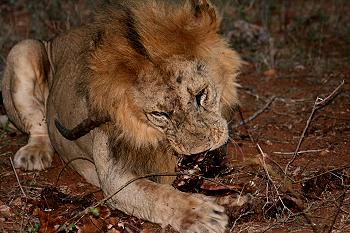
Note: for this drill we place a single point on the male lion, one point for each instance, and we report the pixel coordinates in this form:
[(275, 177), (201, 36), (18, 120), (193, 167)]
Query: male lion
[(151, 80)]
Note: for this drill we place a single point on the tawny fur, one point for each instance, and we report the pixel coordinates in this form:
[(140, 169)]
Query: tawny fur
[(178, 32), (163, 76)]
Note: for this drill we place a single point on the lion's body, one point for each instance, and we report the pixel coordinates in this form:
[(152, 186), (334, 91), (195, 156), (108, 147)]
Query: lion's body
[(164, 78), (67, 66)]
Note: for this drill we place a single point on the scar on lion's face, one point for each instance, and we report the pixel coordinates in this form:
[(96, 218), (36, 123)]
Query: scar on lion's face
[(182, 102)]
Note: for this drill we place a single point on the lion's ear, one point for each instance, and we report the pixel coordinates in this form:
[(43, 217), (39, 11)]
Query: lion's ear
[(203, 8)]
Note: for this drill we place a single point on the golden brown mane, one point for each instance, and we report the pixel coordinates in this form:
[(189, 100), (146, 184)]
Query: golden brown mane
[(139, 36)]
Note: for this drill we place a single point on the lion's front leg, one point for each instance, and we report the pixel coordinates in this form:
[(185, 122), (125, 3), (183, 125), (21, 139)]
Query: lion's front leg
[(25, 91), (163, 204), (155, 202)]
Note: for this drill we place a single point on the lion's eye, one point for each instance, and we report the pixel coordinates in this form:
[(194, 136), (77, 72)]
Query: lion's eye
[(160, 114), (201, 97), (159, 119)]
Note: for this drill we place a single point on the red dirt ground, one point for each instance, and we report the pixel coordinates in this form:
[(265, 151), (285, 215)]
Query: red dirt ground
[(312, 195), (277, 129)]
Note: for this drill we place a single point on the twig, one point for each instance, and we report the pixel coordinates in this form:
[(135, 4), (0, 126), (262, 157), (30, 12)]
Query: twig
[(323, 173), (283, 221), (319, 103), (69, 162), (22, 190), (263, 163), (299, 152), (280, 168), (291, 191), (256, 114), (341, 201), (239, 217), (19, 183), (249, 91), (245, 126)]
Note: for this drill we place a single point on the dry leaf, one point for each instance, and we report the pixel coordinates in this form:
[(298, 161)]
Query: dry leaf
[(47, 224), (5, 211)]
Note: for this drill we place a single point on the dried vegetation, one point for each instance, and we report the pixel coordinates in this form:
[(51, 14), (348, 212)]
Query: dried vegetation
[(290, 143)]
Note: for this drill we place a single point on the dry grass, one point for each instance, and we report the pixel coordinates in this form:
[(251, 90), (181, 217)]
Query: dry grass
[(309, 48)]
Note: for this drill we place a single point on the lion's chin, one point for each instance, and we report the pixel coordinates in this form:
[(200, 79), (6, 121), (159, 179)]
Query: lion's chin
[(197, 149), (199, 152)]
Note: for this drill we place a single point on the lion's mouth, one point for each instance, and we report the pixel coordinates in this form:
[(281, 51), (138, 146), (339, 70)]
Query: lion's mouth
[(205, 162), (203, 153), (219, 151)]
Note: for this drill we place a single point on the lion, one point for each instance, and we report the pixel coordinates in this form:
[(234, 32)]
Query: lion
[(144, 83)]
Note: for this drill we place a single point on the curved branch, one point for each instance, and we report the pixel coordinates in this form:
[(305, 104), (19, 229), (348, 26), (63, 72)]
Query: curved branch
[(81, 129)]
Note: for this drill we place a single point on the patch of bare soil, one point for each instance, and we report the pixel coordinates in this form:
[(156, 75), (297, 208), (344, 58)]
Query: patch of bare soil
[(289, 148)]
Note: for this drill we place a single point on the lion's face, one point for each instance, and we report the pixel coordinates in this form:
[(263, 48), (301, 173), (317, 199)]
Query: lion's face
[(181, 100), (164, 77)]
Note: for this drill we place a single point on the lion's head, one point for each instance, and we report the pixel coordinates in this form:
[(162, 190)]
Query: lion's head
[(182, 101), (161, 72)]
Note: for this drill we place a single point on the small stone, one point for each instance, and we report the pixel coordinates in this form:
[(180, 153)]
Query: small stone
[(299, 67), (270, 73), (324, 152)]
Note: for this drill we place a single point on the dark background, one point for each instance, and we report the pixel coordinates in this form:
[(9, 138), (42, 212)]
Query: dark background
[(293, 50)]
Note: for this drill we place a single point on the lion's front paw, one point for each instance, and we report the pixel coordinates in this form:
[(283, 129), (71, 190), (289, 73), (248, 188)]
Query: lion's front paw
[(36, 155), (202, 216)]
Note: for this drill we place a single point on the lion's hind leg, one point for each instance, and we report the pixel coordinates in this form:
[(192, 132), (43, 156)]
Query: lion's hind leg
[(25, 92)]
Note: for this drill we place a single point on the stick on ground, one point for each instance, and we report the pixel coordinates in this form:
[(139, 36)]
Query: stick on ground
[(299, 152), (319, 103), (256, 114), (19, 183)]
